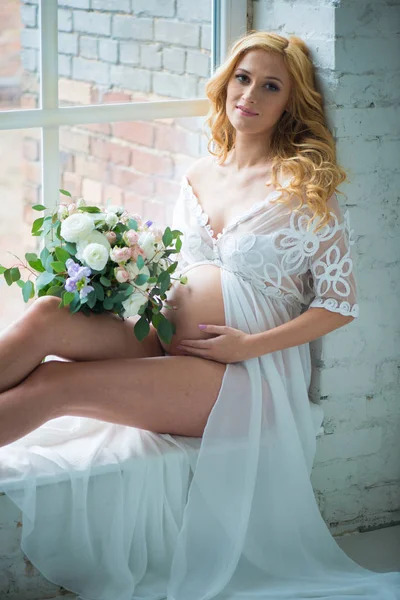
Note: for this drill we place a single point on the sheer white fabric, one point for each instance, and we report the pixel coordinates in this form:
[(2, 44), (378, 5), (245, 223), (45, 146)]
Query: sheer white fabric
[(231, 515)]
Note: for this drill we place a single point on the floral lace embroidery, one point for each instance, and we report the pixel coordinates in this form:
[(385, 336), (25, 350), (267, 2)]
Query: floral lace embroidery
[(344, 308)]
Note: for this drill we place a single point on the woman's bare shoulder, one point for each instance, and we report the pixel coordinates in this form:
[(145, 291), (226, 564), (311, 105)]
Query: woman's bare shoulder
[(199, 169)]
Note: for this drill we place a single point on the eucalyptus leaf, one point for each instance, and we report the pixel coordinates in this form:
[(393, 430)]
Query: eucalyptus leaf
[(62, 254), (65, 192), (141, 329), (15, 274), (44, 279), (104, 281), (37, 224), (28, 291), (38, 207)]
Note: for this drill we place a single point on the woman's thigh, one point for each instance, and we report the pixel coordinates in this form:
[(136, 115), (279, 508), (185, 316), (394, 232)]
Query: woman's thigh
[(169, 394)]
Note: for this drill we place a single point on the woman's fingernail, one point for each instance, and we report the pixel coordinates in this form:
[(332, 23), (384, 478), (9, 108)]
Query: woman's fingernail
[(202, 326)]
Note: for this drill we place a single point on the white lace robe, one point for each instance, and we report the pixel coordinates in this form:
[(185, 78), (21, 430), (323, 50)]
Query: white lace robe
[(231, 515)]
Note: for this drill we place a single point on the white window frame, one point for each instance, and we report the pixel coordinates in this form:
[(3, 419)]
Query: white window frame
[(228, 21)]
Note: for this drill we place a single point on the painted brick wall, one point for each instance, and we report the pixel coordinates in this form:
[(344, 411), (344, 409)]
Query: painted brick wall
[(356, 376)]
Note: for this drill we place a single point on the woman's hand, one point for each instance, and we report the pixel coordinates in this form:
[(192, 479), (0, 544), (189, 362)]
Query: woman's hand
[(229, 346)]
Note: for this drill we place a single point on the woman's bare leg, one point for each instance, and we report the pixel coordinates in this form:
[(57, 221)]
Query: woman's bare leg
[(169, 394), (44, 329)]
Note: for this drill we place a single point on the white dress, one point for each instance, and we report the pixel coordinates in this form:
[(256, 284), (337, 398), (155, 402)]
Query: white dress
[(231, 515)]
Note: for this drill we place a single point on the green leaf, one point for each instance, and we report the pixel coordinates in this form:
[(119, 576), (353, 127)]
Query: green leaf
[(91, 299), (90, 209), (15, 274), (20, 283), (31, 256), (68, 297), (62, 254), (167, 237), (55, 290), (99, 291), (75, 304), (108, 303), (132, 224), (140, 262), (43, 255), (141, 329), (58, 267), (104, 281), (165, 329), (37, 265), (141, 279), (2, 270), (38, 207), (28, 291), (71, 248), (7, 276), (36, 225), (44, 279), (48, 262), (65, 193)]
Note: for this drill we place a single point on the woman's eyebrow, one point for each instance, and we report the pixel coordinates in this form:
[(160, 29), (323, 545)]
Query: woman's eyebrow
[(268, 76)]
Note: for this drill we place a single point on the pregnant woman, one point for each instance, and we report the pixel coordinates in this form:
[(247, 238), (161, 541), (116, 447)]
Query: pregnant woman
[(267, 253)]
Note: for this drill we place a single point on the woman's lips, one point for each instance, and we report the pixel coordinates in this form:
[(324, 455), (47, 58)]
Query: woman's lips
[(246, 114)]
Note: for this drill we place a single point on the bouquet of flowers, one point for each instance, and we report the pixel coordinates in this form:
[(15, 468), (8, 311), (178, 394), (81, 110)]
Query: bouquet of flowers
[(97, 261)]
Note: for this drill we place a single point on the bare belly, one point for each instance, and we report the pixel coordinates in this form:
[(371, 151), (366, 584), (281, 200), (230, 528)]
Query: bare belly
[(198, 301)]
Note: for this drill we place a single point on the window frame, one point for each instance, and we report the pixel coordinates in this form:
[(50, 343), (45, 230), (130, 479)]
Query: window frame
[(228, 21)]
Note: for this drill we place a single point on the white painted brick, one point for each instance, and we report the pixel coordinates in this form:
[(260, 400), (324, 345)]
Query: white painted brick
[(29, 59), (90, 22), (198, 63), (360, 442), (30, 38), (90, 70), (154, 8), (129, 53), (174, 86), (379, 88), (130, 78), (174, 60), (367, 122), (132, 28), (350, 379), (29, 15), (68, 43), (187, 10), (112, 5), (64, 20), (206, 34), (173, 32), (75, 3), (108, 50), (151, 56), (88, 47), (360, 18), (64, 65), (356, 54)]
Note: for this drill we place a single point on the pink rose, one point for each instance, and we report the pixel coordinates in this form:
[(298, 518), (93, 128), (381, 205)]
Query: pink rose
[(119, 255), (121, 275), (111, 236), (131, 237), (72, 208), (137, 251), (137, 218)]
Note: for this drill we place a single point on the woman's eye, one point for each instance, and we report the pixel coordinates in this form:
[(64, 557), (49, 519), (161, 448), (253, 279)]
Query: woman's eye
[(272, 86)]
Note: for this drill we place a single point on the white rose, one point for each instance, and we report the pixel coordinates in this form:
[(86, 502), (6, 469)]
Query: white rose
[(95, 237), (146, 242), (111, 220), (95, 256), (133, 271), (116, 210), (133, 303), (76, 227)]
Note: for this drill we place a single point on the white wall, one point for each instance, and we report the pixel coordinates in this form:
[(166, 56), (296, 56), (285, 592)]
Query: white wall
[(356, 47)]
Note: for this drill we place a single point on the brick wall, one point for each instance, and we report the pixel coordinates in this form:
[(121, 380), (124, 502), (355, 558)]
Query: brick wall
[(356, 375), (123, 51)]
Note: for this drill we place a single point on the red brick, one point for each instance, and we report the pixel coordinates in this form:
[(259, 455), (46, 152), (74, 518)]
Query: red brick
[(72, 183), (74, 92), (116, 97), (177, 140), (167, 190), (104, 128), (154, 211), (31, 149), (74, 140), (113, 193), (138, 132), (29, 101), (91, 168), (33, 172), (133, 203), (92, 191), (127, 179), (120, 155), (100, 148), (155, 164)]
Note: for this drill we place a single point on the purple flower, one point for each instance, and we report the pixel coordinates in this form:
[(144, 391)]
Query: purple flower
[(70, 285), (148, 223), (85, 291)]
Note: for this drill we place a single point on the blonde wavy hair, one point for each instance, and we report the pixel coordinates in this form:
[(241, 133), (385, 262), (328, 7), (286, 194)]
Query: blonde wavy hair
[(302, 146)]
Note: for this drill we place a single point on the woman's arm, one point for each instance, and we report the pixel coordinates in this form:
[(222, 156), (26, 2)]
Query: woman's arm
[(312, 324)]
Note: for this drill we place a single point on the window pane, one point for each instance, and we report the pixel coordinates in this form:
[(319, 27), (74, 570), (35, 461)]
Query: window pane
[(136, 164), (19, 55), (20, 177), (133, 51)]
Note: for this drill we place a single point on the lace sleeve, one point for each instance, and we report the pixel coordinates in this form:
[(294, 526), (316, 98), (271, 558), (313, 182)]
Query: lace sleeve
[(333, 282)]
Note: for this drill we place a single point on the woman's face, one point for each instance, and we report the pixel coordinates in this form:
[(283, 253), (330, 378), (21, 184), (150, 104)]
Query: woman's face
[(261, 84)]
